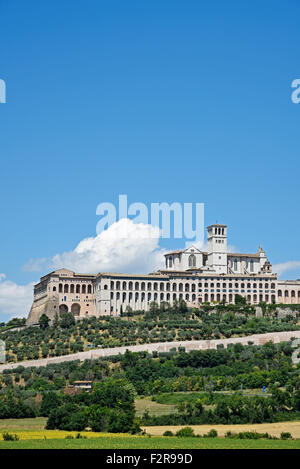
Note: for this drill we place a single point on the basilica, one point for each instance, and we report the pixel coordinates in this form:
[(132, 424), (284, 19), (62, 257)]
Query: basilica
[(189, 274)]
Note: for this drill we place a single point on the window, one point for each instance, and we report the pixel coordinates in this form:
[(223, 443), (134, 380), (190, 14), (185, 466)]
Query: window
[(192, 260)]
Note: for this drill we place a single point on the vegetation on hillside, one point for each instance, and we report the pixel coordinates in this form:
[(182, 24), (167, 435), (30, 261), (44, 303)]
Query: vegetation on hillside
[(209, 376), (161, 324)]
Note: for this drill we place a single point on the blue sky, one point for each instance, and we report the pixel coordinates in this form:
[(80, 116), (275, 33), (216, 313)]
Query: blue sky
[(161, 100)]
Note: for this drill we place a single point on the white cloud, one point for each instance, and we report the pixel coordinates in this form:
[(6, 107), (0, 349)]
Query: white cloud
[(124, 247), (15, 300), (35, 265), (286, 266)]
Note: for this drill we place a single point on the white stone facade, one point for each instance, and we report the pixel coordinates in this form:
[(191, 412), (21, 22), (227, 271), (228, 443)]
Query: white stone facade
[(190, 274)]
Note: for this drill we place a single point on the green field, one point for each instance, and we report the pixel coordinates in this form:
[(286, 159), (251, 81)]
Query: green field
[(154, 408), (136, 442)]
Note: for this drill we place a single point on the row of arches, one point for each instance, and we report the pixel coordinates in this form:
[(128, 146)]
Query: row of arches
[(72, 288), (75, 309), (187, 287), (155, 286), (210, 298), (288, 294), (130, 296)]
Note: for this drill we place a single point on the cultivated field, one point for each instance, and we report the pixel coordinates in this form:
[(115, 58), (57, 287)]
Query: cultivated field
[(273, 429), (32, 435)]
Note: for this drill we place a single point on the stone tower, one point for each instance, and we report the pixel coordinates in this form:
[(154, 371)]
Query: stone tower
[(217, 248)]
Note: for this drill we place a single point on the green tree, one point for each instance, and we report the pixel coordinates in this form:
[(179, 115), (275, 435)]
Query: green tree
[(67, 320), (44, 321)]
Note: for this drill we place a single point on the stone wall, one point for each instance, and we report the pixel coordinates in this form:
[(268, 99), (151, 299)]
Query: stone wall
[(256, 339)]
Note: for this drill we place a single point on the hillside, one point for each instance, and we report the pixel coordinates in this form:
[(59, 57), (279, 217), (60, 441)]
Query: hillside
[(159, 325)]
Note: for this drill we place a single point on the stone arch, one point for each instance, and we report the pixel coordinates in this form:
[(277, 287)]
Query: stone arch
[(63, 309), (75, 309)]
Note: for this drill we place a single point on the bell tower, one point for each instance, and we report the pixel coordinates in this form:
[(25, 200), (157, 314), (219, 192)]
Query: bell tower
[(217, 247)]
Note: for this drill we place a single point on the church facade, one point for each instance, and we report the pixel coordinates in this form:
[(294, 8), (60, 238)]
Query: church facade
[(189, 274)]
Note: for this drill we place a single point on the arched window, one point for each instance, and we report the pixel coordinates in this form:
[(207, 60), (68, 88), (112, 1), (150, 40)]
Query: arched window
[(83, 289), (90, 289), (66, 288), (72, 288), (279, 293), (77, 288), (192, 260)]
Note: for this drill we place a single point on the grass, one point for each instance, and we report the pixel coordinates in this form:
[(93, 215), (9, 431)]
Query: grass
[(154, 408), (177, 397), (22, 425), (142, 442)]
